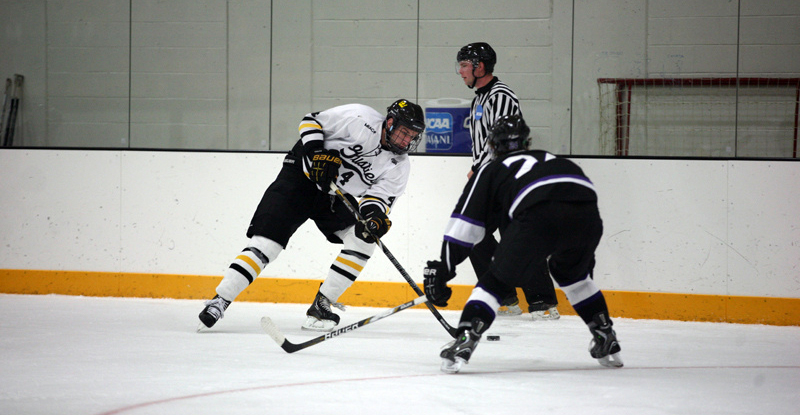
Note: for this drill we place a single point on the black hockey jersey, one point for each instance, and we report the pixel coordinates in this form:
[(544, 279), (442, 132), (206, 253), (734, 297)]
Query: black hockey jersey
[(505, 188)]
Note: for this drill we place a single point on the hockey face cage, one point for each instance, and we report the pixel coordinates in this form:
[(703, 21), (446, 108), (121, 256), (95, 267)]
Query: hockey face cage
[(407, 114), (508, 134)]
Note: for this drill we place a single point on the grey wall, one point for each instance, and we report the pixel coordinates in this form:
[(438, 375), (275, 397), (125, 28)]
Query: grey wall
[(239, 74)]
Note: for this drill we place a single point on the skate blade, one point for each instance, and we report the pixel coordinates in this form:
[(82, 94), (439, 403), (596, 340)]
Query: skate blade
[(540, 315), (449, 366), (612, 360), (509, 311), (315, 324)]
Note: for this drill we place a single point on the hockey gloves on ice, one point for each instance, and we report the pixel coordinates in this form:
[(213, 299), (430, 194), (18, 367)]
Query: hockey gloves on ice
[(436, 277), (324, 166), (375, 224)]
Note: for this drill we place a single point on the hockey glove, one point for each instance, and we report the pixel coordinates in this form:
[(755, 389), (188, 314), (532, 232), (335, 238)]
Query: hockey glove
[(436, 277), (324, 166), (374, 225)]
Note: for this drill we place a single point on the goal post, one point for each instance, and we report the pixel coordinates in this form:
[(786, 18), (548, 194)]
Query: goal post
[(699, 117)]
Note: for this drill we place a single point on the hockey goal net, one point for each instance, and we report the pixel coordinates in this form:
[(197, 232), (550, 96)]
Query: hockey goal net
[(699, 117)]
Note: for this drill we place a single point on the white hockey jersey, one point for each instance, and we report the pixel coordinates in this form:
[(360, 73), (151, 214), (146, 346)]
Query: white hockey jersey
[(368, 171)]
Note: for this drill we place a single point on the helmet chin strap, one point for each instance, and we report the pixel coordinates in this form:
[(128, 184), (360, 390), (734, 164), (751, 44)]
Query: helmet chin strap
[(475, 77), (387, 132)]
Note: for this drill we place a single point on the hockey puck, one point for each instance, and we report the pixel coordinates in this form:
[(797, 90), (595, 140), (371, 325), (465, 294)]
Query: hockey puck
[(493, 338)]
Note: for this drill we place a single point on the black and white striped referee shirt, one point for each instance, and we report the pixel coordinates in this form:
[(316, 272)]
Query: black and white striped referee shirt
[(491, 102)]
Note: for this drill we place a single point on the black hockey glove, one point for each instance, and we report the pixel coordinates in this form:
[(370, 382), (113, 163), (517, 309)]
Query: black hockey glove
[(375, 224), (436, 277), (324, 166)]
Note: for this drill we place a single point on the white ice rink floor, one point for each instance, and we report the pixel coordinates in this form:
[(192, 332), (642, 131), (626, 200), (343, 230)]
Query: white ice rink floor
[(80, 355)]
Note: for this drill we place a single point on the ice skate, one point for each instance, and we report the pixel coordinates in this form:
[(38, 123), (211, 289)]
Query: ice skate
[(319, 315), (215, 309), (604, 346), (459, 351), (541, 311), (510, 307)]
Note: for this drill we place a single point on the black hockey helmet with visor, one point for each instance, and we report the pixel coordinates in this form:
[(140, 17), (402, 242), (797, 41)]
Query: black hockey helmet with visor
[(509, 134), (403, 113), (475, 53)]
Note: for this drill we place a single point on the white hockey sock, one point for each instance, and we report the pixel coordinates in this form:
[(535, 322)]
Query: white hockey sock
[(247, 266), (347, 266), (334, 286), (581, 291)]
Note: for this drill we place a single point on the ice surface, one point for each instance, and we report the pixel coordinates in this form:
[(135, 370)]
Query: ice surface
[(82, 355)]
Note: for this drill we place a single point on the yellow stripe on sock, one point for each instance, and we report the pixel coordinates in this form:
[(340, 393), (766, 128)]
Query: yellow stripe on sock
[(250, 261), (350, 264)]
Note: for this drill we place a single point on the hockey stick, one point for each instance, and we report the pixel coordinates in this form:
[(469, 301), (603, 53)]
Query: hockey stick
[(6, 98), (271, 329), (450, 329), (8, 138)]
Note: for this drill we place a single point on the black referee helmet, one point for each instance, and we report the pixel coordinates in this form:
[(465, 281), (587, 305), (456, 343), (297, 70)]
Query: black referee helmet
[(478, 52)]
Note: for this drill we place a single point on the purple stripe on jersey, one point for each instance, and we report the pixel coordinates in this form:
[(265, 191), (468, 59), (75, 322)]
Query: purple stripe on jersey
[(468, 220), (554, 177), (458, 242), (547, 181)]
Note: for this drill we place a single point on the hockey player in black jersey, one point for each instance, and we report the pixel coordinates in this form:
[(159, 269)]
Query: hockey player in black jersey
[(546, 211), (365, 153)]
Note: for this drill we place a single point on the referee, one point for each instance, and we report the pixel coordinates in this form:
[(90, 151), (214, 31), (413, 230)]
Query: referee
[(493, 100)]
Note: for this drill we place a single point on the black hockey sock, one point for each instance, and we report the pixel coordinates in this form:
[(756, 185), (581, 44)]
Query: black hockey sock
[(476, 317), (589, 309)]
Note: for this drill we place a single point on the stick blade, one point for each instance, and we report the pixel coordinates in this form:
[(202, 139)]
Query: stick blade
[(270, 328)]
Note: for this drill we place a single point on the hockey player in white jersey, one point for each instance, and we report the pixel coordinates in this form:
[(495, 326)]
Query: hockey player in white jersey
[(365, 153)]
